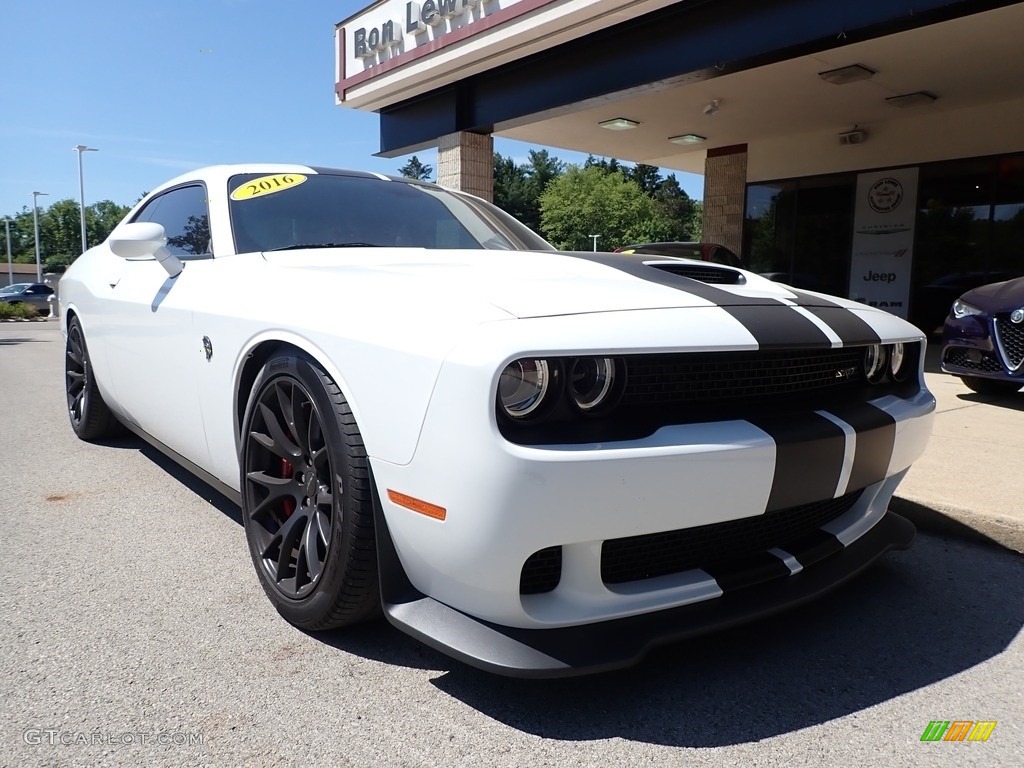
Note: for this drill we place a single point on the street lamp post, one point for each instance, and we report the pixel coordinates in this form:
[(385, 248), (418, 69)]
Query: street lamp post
[(81, 189), (594, 238), (10, 267), (35, 220)]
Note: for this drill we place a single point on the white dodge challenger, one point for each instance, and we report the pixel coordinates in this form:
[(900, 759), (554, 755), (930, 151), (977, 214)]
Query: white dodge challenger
[(540, 463)]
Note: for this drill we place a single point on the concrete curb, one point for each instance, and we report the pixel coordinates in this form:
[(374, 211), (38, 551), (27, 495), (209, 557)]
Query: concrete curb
[(1004, 532)]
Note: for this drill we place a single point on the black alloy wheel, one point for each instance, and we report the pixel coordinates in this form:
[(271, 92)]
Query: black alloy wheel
[(90, 417), (306, 500)]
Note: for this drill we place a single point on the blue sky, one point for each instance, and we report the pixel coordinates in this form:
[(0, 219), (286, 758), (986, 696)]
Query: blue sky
[(164, 86)]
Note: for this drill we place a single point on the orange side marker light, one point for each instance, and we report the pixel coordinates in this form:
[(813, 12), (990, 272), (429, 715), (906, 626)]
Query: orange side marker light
[(417, 505)]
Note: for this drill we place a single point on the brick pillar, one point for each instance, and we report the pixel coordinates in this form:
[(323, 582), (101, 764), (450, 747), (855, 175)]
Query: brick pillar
[(725, 187), (465, 161)]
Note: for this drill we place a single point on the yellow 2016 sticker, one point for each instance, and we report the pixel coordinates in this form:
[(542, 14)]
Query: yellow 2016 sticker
[(267, 185)]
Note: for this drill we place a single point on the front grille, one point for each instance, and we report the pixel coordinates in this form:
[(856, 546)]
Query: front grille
[(659, 554), (733, 377), (1011, 342), (960, 357), (541, 572), (703, 273)]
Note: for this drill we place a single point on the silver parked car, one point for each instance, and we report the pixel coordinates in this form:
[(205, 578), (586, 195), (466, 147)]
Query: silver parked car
[(35, 294)]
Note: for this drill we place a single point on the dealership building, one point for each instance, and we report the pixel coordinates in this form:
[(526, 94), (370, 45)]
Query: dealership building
[(872, 149)]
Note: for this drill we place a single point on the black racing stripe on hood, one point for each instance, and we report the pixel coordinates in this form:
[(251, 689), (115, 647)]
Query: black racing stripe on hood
[(633, 264), (850, 328), (809, 453), (876, 436), (778, 327), (847, 325)]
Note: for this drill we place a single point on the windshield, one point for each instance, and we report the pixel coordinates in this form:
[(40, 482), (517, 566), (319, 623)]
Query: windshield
[(16, 288), (292, 210)]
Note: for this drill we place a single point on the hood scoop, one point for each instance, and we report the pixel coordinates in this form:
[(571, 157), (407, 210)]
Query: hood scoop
[(705, 273)]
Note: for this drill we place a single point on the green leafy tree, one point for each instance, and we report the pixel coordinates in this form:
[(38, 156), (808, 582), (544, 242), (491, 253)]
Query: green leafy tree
[(680, 215), (517, 188), (101, 218), (606, 165), (60, 232), (647, 177), (512, 189), (414, 169), (591, 201), (22, 237)]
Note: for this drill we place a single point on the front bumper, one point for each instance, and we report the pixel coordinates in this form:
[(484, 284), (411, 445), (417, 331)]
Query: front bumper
[(971, 348), (505, 503), (617, 643)]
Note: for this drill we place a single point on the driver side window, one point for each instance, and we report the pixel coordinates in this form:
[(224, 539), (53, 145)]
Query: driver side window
[(185, 217)]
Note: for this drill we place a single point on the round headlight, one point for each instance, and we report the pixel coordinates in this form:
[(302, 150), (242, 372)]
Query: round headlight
[(522, 386), (897, 358), (591, 381), (874, 362)]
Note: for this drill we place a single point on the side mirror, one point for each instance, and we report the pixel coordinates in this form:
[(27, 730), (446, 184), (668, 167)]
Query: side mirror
[(143, 239)]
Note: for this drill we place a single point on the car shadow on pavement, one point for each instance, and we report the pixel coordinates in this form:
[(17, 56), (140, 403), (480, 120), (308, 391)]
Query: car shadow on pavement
[(218, 500), (1014, 402), (914, 619), (19, 340)]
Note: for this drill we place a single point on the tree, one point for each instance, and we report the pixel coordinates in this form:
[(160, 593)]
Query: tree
[(414, 169), (517, 188), (647, 177), (511, 188), (680, 215), (60, 231), (590, 201)]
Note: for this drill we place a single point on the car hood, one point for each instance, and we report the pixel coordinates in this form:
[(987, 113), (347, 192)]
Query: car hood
[(998, 297), (533, 283)]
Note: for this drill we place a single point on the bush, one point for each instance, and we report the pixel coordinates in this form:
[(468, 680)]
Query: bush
[(8, 311)]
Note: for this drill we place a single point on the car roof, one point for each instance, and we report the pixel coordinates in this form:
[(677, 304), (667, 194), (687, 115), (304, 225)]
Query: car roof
[(219, 174)]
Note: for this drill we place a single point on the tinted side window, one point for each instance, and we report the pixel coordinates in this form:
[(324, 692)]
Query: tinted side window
[(184, 215)]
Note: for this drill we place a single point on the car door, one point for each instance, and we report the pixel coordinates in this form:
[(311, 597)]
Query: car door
[(155, 356), (38, 296)]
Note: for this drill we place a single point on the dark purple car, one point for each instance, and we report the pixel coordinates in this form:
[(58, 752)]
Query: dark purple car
[(984, 338)]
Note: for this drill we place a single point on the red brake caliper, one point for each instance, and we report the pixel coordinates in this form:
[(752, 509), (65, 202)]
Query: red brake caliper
[(287, 470)]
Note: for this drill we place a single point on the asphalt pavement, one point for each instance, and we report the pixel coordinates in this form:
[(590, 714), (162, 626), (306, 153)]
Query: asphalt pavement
[(133, 632)]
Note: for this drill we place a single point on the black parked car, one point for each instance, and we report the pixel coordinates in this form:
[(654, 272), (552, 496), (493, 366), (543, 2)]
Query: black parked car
[(984, 338), (35, 294), (713, 252)]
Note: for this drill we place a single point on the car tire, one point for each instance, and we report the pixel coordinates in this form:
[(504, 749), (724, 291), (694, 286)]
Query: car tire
[(90, 417), (307, 505), (990, 386)]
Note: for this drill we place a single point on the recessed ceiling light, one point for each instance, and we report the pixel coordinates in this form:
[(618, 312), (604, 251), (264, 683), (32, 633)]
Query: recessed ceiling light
[(844, 75), (619, 124), (687, 138), (911, 99)]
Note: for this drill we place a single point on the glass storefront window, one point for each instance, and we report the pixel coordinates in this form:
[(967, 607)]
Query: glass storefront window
[(798, 232), (969, 231)]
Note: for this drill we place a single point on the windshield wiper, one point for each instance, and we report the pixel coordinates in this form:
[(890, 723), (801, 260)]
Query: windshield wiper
[(298, 246)]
